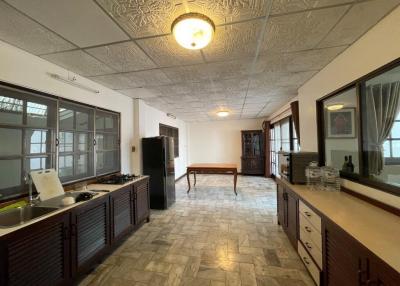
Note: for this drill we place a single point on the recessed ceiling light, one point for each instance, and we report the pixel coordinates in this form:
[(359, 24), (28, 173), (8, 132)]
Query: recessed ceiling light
[(223, 113), (335, 107), (193, 30)]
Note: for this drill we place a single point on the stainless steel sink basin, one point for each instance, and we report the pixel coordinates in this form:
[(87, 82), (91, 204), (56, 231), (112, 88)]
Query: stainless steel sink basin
[(23, 215)]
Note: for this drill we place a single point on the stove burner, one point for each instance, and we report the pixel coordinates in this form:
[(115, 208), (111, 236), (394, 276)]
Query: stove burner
[(118, 179)]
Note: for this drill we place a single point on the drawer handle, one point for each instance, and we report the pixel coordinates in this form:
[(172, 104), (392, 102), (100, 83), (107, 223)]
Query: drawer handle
[(308, 229), (306, 260), (308, 245), (307, 214)]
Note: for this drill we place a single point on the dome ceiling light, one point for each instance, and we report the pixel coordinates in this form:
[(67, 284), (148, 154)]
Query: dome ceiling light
[(193, 31), (223, 113), (335, 107)]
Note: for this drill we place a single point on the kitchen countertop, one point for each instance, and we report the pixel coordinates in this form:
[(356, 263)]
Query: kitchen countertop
[(110, 188), (375, 228)]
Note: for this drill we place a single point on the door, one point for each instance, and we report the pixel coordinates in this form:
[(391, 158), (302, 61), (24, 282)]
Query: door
[(141, 199), (280, 204), (381, 274), (122, 214), (45, 248), (170, 171), (345, 260), (292, 218), (89, 233)]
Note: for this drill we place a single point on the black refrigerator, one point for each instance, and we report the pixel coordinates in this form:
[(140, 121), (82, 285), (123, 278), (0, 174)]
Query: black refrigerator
[(158, 163)]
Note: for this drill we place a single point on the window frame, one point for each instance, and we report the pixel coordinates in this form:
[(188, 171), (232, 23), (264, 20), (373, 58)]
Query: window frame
[(359, 84), (53, 155)]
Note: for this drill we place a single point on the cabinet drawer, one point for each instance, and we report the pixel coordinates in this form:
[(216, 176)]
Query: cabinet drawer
[(313, 234), (308, 262), (311, 216), (313, 250)]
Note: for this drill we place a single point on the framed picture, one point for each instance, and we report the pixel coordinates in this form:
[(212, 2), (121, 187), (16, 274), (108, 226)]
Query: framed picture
[(341, 123)]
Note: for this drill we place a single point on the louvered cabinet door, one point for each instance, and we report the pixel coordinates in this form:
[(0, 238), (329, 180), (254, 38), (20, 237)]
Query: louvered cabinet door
[(122, 215), (37, 254), (90, 233), (345, 260), (142, 201)]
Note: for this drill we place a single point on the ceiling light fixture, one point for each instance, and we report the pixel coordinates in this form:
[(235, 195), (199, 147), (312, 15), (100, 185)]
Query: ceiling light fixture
[(193, 31), (335, 107), (72, 81), (223, 113)]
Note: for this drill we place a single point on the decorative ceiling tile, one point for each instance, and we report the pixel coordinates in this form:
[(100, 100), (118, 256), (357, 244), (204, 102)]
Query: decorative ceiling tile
[(22, 32), (234, 41), (287, 6), (123, 57), (165, 51), (300, 31), (137, 93), (148, 78), (79, 62), (81, 22), (350, 28), (155, 17), (114, 81)]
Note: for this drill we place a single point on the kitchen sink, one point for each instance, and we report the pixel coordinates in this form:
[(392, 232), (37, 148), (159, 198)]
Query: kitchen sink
[(22, 215)]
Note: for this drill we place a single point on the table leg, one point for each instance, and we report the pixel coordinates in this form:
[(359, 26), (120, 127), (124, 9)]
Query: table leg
[(234, 182), (194, 173), (188, 180)]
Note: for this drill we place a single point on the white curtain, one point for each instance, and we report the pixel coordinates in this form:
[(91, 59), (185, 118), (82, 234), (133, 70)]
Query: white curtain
[(382, 102)]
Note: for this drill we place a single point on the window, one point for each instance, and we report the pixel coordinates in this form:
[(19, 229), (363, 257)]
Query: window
[(282, 138), (27, 130), (75, 142), (171, 132), (391, 147), (31, 138)]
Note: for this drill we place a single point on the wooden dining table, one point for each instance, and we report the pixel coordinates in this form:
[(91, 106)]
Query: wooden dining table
[(212, 168)]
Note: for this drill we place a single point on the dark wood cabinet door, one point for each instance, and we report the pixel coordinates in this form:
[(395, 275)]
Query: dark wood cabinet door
[(122, 214), (37, 254), (291, 220), (280, 204), (90, 238), (346, 262), (381, 274), (142, 201)]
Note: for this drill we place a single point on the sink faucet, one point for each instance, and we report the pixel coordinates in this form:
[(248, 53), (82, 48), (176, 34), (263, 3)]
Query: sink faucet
[(32, 200)]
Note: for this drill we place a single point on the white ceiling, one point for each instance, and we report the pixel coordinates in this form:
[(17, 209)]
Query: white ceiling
[(262, 52)]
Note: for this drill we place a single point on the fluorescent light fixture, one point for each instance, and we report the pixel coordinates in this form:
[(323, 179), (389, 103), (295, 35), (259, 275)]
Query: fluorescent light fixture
[(223, 113), (335, 107), (193, 31), (72, 81)]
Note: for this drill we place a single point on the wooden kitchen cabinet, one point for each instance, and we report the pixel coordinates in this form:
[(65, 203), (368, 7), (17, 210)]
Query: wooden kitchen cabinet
[(141, 201), (122, 212), (288, 213), (348, 263), (37, 254), (90, 233)]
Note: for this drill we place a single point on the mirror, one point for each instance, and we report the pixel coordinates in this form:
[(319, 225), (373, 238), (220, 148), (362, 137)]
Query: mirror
[(380, 109), (340, 130)]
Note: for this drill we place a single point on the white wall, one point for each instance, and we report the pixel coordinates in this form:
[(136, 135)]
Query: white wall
[(24, 69), (376, 48), (147, 121), (219, 141)]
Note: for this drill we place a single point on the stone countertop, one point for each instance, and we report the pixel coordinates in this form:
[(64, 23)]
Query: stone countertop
[(375, 228), (110, 188)]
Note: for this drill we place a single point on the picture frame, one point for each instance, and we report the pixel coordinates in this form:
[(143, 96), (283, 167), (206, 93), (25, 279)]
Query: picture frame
[(341, 123)]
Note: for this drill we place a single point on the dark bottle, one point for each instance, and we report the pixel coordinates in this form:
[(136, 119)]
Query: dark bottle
[(350, 165), (344, 167)]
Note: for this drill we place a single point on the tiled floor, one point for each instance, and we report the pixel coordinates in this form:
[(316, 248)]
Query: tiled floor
[(208, 237)]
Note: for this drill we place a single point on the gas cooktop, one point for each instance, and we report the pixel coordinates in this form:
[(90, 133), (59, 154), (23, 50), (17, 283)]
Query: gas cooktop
[(118, 179)]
